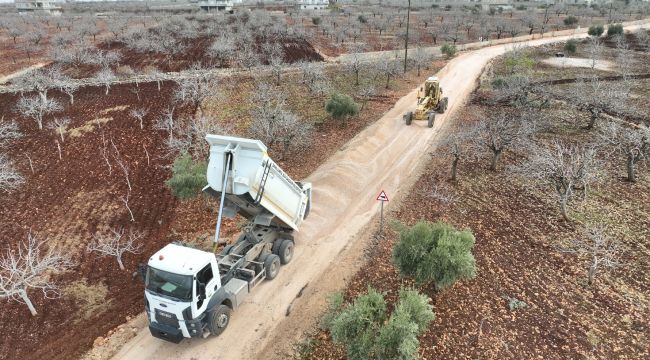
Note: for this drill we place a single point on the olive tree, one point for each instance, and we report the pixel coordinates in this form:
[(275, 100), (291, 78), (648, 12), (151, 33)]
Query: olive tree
[(30, 267), (365, 330), (435, 252)]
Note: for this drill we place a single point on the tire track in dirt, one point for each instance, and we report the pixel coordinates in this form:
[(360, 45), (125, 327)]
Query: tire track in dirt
[(345, 187)]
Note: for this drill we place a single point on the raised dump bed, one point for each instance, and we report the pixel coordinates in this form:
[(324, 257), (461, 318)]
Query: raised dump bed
[(256, 187)]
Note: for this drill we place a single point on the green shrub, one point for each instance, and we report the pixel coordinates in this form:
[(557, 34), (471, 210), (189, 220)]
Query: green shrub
[(341, 106), (571, 46), (362, 19), (448, 49), (334, 305), (596, 30), (188, 177), (362, 327), (615, 29), (522, 7), (570, 20), (518, 60), (316, 20), (357, 325), (435, 252)]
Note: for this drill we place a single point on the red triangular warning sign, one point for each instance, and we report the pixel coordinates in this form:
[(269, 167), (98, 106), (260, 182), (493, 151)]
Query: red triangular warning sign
[(382, 196)]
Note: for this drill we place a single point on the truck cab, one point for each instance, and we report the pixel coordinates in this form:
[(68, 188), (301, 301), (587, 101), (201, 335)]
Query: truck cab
[(190, 292), (179, 283)]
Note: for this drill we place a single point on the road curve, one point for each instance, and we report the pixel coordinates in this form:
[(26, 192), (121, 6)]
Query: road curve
[(345, 187)]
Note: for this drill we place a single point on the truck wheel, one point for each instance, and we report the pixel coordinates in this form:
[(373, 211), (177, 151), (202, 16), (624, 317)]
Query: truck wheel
[(408, 118), (286, 251), (430, 119), (219, 319), (272, 266)]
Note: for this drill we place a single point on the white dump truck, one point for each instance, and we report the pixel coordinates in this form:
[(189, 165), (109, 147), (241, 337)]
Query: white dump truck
[(190, 292)]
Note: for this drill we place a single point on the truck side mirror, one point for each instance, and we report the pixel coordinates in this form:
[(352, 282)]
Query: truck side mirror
[(201, 290), (142, 271)]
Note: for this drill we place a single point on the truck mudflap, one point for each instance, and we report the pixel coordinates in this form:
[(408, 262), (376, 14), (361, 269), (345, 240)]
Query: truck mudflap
[(166, 332)]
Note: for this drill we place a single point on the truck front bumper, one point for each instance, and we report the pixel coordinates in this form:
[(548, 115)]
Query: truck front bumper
[(195, 326), (166, 332)]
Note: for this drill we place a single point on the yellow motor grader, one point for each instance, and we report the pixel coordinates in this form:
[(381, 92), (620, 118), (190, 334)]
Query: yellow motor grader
[(429, 102)]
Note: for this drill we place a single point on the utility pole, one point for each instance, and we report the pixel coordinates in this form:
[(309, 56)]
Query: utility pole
[(406, 41)]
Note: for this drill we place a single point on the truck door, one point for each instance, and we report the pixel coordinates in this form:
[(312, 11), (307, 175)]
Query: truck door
[(204, 287)]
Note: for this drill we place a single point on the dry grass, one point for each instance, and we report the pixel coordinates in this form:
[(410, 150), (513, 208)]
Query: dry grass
[(92, 300)]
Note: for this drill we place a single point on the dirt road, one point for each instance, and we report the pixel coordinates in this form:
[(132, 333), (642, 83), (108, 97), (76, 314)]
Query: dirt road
[(345, 187)]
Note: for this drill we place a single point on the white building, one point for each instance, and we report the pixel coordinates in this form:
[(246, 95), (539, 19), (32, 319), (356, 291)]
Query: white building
[(312, 4), (39, 6), (218, 5)]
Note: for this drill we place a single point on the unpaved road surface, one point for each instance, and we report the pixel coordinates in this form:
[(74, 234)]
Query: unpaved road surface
[(345, 187)]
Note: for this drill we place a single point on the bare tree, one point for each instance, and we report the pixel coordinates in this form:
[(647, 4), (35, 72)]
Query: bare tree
[(106, 77), (125, 200), (355, 62), (460, 145), (122, 164), (313, 76), (10, 179), (500, 131), (36, 107), (598, 97), (139, 114), (292, 132), (154, 74), (104, 151), (365, 93), (30, 267), (422, 58), (196, 90), (115, 243), (569, 169), (632, 143), (223, 50), (277, 64), (387, 66), (595, 50), (8, 132), (167, 122), (60, 125), (601, 250), (247, 57), (69, 88)]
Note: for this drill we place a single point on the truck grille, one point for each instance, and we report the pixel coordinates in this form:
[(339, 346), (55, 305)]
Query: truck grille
[(163, 317)]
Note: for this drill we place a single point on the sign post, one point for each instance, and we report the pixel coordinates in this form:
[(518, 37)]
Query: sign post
[(383, 198)]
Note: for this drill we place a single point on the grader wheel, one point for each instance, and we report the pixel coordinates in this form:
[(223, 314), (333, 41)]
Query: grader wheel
[(430, 119), (408, 117), (442, 107)]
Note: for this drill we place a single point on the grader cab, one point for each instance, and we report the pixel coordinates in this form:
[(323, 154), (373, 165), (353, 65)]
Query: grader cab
[(430, 101)]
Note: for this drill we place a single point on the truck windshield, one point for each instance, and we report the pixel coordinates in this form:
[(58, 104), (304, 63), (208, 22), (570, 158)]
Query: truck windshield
[(169, 284)]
